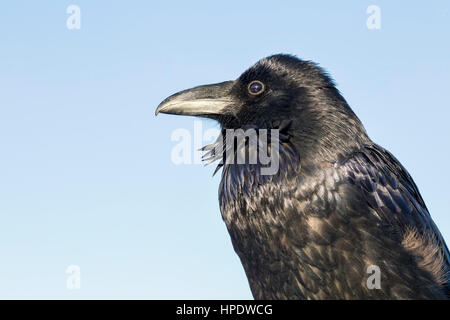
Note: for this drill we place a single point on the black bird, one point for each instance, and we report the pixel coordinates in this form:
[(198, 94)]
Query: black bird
[(339, 211)]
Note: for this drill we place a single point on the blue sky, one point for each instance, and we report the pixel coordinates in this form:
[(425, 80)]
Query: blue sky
[(86, 176)]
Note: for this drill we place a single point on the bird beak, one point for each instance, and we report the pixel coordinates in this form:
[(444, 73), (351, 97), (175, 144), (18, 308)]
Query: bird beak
[(207, 101)]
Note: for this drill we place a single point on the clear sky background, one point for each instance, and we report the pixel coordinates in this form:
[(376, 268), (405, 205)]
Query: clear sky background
[(86, 176)]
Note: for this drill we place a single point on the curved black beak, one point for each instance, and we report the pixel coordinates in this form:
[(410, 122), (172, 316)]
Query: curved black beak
[(208, 100)]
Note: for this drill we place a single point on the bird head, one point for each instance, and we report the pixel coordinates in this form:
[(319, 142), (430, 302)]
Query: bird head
[(278, 90)]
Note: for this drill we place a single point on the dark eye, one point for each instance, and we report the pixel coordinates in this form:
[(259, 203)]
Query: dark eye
[(256, 87)]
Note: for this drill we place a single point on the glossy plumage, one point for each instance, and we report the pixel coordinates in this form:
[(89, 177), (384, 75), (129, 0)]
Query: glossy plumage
[(338, 204)]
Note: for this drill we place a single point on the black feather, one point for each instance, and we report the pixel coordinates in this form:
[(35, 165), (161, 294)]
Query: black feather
[(338, 203)]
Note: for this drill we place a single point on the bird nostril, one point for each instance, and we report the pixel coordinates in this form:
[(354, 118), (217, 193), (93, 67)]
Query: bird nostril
[(255, 87)]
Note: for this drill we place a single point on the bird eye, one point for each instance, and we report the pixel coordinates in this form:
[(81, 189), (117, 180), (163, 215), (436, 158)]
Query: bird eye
[(256, 87)]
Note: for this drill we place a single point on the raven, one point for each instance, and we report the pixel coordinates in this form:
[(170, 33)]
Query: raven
[(341, 218)]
